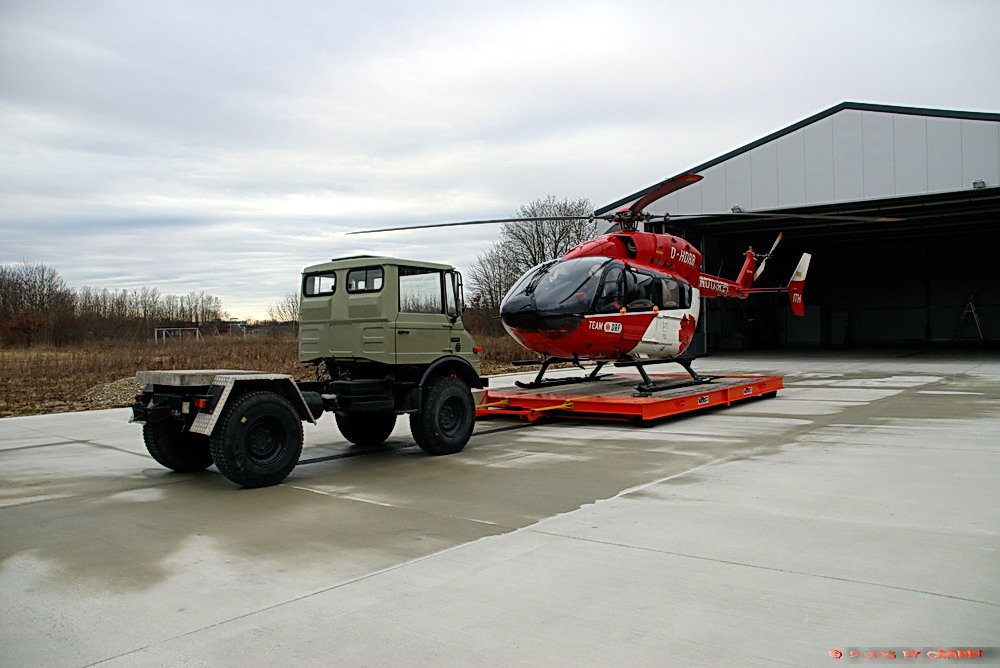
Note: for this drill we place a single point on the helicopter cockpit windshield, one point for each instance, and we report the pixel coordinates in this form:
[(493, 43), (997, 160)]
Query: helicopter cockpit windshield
[(563, 286)]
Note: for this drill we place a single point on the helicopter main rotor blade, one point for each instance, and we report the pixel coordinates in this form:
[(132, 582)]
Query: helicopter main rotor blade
[(474, 222), (805, 216), (662, 190)]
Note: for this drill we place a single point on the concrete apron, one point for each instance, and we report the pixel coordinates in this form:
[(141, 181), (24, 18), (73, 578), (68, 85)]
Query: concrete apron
[(858, 509)]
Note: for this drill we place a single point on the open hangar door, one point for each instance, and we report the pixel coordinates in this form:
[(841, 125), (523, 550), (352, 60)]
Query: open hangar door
[(932, 277)]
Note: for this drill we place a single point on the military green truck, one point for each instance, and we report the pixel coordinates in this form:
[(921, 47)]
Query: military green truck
[(385, 337)]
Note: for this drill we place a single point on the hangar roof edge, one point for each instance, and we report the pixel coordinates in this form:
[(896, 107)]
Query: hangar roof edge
[(843, 106)]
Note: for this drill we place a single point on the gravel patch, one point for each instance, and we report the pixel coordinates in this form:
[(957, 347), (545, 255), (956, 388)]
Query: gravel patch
[(117, 394)]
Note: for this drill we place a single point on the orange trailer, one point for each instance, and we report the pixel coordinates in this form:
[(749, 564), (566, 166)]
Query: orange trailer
[(615, 398)]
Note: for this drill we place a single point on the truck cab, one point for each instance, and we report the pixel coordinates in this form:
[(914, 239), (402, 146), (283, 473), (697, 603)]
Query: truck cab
[(365, 310)]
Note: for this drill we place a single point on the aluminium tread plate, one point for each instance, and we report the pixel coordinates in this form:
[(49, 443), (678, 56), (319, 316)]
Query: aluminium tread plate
[(188, 377)]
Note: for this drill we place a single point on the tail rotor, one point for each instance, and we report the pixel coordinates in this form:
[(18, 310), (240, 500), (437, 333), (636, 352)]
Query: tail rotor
[(765, 256)]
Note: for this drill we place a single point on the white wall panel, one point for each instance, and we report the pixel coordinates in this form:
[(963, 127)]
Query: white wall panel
[(980, 152), (910, 148), (878, 154), (689, 199), (818, 139), (944, 154), (738, 189), (848, 156), (713, 189), (666, 204), (764, 177), (791, 169)]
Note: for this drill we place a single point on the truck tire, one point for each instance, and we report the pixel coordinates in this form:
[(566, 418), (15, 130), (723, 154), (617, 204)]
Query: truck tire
[(446, 418), (367, 429), (175, 448), (258, 439)]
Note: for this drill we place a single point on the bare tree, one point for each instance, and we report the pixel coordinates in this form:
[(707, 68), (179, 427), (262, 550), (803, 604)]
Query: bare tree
[(37, 306), (491, 275), (285, 309), (523, 245)]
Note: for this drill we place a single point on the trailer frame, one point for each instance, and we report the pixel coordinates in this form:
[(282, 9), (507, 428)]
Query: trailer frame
[(615, 398)]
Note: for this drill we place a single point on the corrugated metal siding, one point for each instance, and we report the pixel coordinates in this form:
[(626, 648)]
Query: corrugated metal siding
[(849, 156)]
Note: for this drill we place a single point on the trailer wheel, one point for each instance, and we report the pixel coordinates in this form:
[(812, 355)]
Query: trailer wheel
[(367, 429), (175, 448), (446, 418), (258, 439)]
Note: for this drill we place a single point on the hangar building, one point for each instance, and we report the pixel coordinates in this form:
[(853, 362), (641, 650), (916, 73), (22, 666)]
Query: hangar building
[(932, 277)]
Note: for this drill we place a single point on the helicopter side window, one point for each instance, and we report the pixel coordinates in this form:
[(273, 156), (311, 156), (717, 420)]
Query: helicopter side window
[(675, 294), (642, 291), (609, 297)]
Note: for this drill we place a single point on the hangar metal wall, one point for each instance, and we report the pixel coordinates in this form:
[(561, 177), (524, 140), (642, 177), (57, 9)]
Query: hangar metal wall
[(850, 155)]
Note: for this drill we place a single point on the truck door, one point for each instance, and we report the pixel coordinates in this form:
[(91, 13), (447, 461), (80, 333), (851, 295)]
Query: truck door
[(423, 328)]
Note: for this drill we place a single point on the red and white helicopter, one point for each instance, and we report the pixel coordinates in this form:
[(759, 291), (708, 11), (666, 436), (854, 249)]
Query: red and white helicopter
[(627, 297)]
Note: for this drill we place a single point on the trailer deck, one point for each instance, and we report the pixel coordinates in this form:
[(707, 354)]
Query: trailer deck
[(616, 398)]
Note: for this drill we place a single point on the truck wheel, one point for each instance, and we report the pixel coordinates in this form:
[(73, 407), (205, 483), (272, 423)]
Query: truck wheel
[(366, 429), (446, 418), (258, 439), (175, 448)]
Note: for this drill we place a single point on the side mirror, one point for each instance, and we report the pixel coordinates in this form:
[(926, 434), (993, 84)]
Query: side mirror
[(453, 303)]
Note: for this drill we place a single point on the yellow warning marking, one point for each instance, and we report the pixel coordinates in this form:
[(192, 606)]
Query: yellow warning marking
[(568, 405), (502, 402)]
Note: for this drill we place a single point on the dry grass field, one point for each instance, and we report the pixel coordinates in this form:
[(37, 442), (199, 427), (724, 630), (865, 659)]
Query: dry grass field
[(52, 380), (102, 375)]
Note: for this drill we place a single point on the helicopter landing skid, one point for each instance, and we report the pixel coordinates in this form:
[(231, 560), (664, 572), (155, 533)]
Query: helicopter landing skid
[(539, 381), (647, 387)]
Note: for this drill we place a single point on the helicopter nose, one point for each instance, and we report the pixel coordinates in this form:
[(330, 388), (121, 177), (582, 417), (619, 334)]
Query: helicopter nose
[(521, 314)]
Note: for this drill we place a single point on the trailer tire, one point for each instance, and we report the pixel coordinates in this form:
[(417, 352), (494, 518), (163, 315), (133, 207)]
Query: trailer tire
[(446, 418), (366, 429), (176, 449), (258, 439)]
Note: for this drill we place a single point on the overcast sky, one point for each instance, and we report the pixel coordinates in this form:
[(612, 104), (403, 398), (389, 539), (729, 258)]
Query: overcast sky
[(222, 146)]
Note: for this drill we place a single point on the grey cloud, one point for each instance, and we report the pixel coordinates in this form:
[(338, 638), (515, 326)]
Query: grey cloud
[(222, 146)]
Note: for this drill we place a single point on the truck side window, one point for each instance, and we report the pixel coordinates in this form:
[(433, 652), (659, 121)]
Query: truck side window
[(319, 285), (420, 290), (364, 280)]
